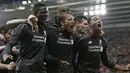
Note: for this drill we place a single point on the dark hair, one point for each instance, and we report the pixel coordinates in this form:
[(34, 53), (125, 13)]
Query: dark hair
[(89, 19), (78, 18), (4, 29), (37, 6)]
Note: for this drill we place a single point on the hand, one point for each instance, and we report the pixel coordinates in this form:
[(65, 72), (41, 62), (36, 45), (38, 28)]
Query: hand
[(14, 50), (11, 66), (63, 63), (126, 69), (122, 68), (102, 33), (128, 66), (7, 58)]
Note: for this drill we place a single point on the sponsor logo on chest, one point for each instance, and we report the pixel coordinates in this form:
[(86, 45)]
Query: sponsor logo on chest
[(39, 38), (92, 47), (65, 41)]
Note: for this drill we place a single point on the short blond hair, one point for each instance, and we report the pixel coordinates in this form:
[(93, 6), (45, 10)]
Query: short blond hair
[(63, 9)]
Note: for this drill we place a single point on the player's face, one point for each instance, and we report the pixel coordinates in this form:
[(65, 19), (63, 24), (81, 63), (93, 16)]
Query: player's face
[(96, 25), (83, 28), (8, 34), (68, 22), (43, 13), (81, 22), (84, 22)]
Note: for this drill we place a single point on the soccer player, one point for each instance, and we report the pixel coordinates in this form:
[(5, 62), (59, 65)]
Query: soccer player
[(33, 49), (81, 26), (92, 49), (61, 42)]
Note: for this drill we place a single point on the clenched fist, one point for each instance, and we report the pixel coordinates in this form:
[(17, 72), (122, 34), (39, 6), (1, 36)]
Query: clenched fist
[(11, 66), (128, 66), (63, 63), (7, 58)]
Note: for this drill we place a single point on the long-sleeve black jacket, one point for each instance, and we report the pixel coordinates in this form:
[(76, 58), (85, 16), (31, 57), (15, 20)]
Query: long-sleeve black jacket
[(33, 49), (92, 50)]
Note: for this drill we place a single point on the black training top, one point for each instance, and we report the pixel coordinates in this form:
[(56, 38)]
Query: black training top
[(60, 46), (92, 50), (33, 52)]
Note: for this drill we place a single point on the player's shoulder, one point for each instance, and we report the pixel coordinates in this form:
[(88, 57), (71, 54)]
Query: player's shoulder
[(22, 25), (21, 28), (83, 38), (104, 39), (86, 37)]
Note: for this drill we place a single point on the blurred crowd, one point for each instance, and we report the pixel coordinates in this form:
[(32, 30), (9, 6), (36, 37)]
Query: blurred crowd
[(118, 47)]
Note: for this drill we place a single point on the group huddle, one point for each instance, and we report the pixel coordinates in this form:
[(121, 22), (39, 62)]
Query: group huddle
[(64, 44)]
